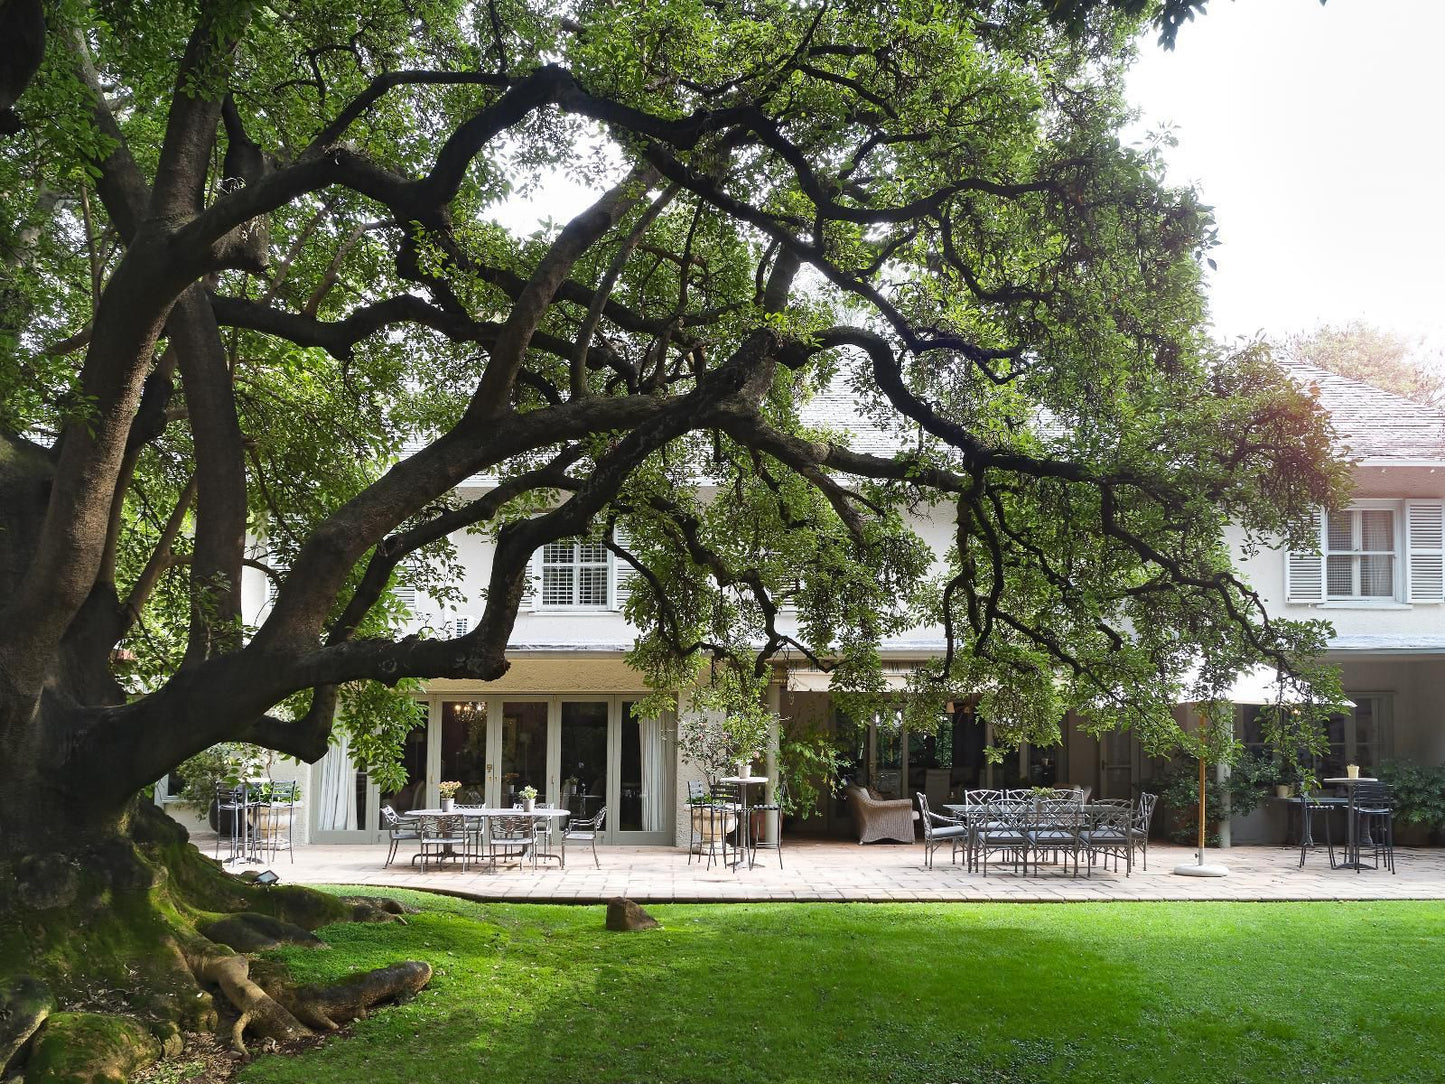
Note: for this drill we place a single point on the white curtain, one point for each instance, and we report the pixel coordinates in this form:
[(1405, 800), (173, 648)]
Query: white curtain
[(337, 811), (654, 773)]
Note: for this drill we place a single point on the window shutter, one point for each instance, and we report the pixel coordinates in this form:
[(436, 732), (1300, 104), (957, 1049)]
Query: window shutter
[(532, 585), (623, 573), (1304, 573), (406, 595), (462, 625), (1425, 551)]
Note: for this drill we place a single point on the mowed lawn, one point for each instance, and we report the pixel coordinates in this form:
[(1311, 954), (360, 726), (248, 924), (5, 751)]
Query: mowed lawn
[(908, 992)]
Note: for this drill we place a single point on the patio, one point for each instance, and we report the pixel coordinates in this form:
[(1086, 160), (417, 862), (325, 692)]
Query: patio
[(835, 870)]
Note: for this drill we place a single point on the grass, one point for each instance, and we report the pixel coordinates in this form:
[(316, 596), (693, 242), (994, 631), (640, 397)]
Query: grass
[(987, 993)]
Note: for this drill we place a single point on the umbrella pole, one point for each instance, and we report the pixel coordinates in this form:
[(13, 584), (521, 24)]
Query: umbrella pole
[(1200, 869)]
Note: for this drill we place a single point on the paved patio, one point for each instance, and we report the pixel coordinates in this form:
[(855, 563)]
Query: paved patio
[(827, 870)]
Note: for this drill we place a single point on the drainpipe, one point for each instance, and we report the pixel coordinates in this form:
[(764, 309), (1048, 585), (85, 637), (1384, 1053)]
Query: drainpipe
[(1221, 778), (775, 705)]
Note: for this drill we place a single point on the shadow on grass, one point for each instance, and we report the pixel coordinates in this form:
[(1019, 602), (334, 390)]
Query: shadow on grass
[(986, 993)]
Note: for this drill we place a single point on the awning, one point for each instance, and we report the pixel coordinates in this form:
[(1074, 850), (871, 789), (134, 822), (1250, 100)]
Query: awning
[(1260, 685), (816, 681)]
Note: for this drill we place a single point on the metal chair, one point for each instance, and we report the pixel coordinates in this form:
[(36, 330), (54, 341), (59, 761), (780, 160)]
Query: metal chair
[(1056, 827), (1004, 829), (1374, 825), (1139, 827), (512, 837), (277, 816), (1309, 807), (444, 837), (399, 829), (772, 809), (584, 831), (233, 814), (948, 831), (1110, 835)]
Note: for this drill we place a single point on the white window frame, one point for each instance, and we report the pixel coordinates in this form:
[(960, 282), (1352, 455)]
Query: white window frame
[(1356, 555), (575, 566)]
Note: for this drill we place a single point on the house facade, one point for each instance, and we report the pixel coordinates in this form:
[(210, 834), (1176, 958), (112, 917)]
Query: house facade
[(561, 720)]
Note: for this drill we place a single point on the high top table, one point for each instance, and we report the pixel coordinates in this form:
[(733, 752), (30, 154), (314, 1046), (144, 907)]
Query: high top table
[(1352, 847), (745, 824)]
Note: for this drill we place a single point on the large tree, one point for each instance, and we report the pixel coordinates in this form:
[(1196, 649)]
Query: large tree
[(252, 252)]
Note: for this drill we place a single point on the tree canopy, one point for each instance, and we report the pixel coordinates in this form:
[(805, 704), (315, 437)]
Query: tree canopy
[(254, 252), (1386, 359)]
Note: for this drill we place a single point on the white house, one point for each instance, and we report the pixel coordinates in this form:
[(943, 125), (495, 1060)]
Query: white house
[(560, 719)]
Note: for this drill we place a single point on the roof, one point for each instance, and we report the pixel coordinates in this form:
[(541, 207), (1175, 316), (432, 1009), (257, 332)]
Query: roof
[(1374, 424), (836, 410)]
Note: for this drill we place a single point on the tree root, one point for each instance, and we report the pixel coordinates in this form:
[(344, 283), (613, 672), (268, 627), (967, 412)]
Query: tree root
[(258, 1010), (326, 1008)]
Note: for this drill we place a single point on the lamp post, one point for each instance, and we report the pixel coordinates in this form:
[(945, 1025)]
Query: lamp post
[(1202, 868)]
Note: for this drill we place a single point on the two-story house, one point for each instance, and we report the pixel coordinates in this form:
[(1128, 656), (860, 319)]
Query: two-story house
[(560, 720)]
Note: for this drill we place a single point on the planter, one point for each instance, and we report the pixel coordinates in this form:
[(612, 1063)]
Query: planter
[(1282, 790), (745, 771), (528, 804), (274, 820), (448, 804)]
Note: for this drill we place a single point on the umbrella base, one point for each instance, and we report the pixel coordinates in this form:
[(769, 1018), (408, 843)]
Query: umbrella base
[(1194, 869)]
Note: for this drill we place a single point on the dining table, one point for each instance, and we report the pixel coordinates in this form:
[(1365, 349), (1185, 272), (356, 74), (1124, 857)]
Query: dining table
[(553, 815)]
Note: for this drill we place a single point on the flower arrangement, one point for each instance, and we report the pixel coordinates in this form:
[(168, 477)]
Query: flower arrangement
[(528, 792), (448, 788)]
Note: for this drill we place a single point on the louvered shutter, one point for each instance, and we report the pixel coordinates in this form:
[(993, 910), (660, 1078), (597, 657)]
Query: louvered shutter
[(406, 595), (1304, 572), (623, 574), (462, 625), (1425, 551), (532, 585)]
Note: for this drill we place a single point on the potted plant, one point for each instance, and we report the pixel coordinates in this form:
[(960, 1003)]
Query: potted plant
[(448, 790), (529, 797)]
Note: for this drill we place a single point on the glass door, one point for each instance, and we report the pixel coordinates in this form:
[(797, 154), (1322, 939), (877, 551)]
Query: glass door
[(583, 767), (641, 787), (464, 749), (523, 751)]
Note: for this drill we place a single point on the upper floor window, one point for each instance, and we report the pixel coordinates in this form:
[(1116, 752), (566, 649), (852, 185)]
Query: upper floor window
[(1375, 551), (1360, 553), (575, 575)]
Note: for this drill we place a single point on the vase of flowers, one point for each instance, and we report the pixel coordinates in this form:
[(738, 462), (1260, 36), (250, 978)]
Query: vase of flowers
[(529, 798), (448, 789)]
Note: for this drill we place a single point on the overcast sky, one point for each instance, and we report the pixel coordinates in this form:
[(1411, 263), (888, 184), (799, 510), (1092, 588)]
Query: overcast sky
[(1315, 134)]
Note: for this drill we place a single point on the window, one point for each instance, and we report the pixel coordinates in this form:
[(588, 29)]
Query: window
[(1358, 737), (1380, 552), (1360, 553), (575, 575)]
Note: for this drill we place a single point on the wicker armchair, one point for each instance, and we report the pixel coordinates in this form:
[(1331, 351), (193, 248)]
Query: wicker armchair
[(880, 818)]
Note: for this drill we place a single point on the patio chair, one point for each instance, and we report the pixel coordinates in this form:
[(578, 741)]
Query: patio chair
[(1108, 835), (584, 831), (773, 809), (444, 838), (1375, 825), (399, 829), (1004, 829), (947, 831), (277, 817), (1056, 827), (1311, 806), (880, 818), (1139, 828), (233, 821), (512, 837)]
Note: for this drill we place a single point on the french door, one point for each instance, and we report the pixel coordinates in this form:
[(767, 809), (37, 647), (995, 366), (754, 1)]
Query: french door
[(580, 752)]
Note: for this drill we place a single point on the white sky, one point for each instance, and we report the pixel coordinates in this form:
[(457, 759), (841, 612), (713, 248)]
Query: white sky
[(1314, 132)]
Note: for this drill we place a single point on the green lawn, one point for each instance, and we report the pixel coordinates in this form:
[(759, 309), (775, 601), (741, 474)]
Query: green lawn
[(734, 993)]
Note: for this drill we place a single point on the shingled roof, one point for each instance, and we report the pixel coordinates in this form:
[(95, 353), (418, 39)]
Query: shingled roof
[(1372, 424)]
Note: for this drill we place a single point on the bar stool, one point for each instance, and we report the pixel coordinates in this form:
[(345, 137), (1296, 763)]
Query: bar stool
[(770, 809), (1375, 824)]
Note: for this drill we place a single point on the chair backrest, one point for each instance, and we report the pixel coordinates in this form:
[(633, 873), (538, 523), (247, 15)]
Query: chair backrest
[(1373, 796), (284, 793), (696, 790), (389, 817), (1144, 812), (590, 824), (926, 816), (514, 828)]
